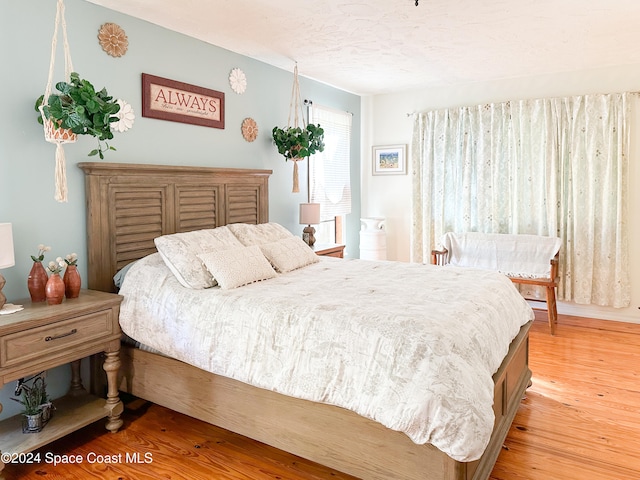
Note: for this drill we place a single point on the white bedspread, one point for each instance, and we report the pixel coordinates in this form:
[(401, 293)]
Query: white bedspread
[(413, 347)]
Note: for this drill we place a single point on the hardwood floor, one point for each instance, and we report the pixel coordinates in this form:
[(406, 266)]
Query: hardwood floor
[(581, 417), (579, 420)]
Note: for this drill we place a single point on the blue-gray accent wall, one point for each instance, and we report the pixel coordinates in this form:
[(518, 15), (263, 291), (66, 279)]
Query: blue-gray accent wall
[(27, 161)]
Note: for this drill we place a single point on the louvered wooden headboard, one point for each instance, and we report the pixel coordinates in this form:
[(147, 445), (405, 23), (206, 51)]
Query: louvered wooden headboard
[(129, 205)]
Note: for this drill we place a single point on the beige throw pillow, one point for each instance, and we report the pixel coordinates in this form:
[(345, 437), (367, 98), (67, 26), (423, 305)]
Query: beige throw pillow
[(259, 234), (238, 266), (289, 254)]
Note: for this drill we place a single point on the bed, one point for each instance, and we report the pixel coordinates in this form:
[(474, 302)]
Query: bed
[(130, 205)]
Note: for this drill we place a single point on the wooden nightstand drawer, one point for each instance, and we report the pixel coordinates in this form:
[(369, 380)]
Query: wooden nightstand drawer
[(21, 347)]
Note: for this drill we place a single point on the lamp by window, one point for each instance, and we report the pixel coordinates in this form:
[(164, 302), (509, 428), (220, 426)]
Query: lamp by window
[(6, 255), (309, 215)]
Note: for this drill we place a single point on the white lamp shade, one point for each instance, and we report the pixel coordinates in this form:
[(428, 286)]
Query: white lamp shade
[(6, 246), (309, 213)]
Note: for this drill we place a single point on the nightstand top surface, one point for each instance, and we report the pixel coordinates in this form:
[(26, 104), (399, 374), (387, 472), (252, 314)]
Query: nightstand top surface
[(42, 313)]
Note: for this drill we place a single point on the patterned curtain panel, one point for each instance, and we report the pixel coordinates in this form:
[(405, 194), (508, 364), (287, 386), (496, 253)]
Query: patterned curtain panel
[(553, 167)]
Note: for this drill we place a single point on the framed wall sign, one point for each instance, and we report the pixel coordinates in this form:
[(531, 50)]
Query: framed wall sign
[(181, 102), (390, 160)]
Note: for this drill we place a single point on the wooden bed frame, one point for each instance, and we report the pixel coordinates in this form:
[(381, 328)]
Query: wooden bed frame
[(129, 205)]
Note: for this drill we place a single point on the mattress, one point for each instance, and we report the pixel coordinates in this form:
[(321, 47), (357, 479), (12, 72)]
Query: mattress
[(411, 346)]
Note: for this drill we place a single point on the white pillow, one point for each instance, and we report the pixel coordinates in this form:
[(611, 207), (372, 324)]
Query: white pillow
[(259, 234), (180, 253), (288, 254), (237, 266)]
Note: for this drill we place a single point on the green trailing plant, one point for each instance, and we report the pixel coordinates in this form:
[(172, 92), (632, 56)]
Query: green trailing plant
[(83, 110), (296, 142)]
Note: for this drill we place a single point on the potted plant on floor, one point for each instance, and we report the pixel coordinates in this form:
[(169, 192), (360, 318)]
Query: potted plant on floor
[(82, 110)]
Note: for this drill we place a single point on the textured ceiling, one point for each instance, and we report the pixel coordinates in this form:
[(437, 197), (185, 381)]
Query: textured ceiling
[(380, 46)]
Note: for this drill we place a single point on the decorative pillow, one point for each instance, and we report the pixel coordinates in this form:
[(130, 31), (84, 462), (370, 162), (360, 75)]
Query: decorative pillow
[(259, 234), (237, 266), (288, 254), (180, 253)]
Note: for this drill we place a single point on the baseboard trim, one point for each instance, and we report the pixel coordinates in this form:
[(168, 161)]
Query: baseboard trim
[(592, 311)]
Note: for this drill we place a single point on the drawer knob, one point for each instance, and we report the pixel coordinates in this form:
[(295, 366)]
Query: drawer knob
[(56, 337)]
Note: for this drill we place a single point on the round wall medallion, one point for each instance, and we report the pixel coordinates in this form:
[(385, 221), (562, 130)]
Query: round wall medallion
[(238, 81), (113, 40), (125, 115), (249, 129)]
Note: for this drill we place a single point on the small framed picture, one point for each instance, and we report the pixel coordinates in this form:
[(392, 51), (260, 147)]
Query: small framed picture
[(390, 160)]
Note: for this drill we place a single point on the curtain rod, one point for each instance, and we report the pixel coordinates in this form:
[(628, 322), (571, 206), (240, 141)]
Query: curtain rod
[(309, 103), (635, 92)]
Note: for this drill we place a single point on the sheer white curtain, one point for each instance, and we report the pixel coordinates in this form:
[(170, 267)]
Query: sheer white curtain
[(547, 167)]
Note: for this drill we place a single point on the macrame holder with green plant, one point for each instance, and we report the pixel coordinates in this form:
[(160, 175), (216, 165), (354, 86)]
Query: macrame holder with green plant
[(295, 142), (295, 106), (52, 132)]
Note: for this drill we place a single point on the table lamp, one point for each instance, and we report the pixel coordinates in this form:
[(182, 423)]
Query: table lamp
[(309, 215), (6, 255)]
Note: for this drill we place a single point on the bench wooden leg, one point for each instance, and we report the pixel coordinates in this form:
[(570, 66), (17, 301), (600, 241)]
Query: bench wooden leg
[(552, 311)]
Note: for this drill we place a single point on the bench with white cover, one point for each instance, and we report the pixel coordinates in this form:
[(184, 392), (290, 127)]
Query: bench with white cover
[(525, 259)]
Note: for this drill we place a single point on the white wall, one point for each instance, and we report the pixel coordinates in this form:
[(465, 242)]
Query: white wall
[(388, 123)]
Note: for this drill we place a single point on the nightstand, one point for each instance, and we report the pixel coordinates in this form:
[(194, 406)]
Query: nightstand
[(329, 250), (44, 336)]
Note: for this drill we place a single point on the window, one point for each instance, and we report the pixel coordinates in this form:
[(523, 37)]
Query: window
[(329, 178)]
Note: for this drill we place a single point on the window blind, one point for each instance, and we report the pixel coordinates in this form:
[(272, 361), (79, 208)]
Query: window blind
[(329, 177)]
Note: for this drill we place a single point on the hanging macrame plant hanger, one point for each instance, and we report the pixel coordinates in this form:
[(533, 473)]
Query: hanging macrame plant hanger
[(295, 107), (54, 133)]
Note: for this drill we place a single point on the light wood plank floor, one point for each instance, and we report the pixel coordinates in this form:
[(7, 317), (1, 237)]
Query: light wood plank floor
[(580, 420), (581, 417)]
